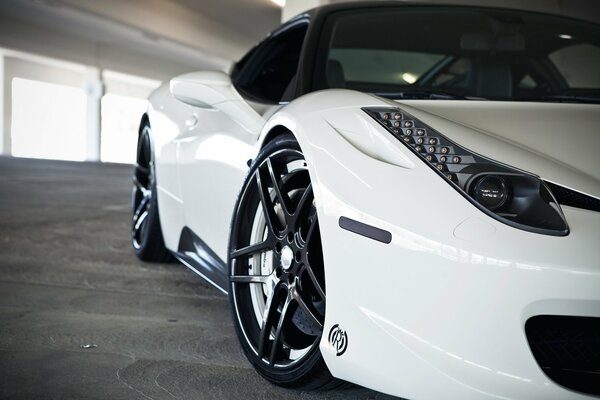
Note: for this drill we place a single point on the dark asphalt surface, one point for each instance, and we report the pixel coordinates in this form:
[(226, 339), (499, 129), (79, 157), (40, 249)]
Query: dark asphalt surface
[(68, 278)]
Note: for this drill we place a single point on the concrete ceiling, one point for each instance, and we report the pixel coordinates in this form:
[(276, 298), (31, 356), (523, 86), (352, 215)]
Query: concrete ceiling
[(207, 34), (255, 18)]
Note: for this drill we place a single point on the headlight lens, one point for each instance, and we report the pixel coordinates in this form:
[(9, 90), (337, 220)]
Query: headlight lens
[(514, 197), (491, 191)]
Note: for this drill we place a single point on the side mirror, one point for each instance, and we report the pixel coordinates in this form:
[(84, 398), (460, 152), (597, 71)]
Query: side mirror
[(214, 90)]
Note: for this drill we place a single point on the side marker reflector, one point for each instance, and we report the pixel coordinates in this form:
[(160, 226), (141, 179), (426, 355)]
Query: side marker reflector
[(365, 230)]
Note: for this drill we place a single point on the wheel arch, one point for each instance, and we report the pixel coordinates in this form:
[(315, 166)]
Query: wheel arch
[(143, 121), (313, 120), (279, 134), (273, 133)]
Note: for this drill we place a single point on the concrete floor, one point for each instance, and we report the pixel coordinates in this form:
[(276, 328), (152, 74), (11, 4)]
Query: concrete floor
[(68, 278)]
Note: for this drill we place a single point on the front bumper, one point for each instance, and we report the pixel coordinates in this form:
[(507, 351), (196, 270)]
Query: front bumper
[(428, 319)]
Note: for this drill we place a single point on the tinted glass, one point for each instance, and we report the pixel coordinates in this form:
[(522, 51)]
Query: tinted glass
[(270, 69), (466, 52)]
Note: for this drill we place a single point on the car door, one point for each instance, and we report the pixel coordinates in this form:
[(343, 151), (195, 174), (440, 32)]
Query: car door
[(214, 151)]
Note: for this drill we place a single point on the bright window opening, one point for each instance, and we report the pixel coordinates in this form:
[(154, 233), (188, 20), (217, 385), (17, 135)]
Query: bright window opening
[(48, 120), (120, 122)]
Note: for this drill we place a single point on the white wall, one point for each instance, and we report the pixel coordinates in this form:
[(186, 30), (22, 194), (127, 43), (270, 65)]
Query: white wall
[(70, 45), (94, 82), (39, 69)]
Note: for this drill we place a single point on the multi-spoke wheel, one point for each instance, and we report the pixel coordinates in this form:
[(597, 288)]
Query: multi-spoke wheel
[(277, 286), (146, 234)]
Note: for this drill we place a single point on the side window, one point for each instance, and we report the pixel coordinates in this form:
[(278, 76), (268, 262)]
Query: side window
[(579, 65), (272, 66)]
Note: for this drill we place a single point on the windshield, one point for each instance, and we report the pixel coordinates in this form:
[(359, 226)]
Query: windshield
[(446, 52)]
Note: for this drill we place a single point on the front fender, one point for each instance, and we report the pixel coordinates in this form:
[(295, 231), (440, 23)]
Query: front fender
[(428, 315)]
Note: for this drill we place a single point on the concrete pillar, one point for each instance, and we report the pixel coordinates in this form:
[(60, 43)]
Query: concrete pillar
[(94, 90), (4, 140)]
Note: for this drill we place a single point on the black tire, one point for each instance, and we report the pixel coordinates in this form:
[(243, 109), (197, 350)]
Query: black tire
[(295, 304), (146, 233)]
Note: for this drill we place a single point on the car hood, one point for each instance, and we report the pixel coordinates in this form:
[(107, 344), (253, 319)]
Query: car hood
[(558, 142)]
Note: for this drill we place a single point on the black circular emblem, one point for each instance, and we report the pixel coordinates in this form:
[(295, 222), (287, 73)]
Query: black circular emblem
[(338, 339)]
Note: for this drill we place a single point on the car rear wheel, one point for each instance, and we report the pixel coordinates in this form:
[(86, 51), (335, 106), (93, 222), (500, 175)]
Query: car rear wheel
[(277, 286), (146, 233)]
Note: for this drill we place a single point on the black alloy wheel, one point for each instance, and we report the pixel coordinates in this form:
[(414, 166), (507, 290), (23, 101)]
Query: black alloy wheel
[(146, 233), (277, 284)]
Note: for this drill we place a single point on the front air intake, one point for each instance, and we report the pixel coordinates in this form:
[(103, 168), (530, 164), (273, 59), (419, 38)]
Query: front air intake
[(567, 349)]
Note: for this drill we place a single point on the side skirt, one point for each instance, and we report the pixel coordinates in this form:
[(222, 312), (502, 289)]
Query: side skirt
[(195, 254)]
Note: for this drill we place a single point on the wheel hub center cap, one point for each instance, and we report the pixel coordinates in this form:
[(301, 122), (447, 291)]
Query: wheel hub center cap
[(287, 256)]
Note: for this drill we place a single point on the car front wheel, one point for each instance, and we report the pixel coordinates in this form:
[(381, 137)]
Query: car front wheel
[(277, 284)]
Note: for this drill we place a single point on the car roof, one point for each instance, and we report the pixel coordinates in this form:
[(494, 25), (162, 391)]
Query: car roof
[(353, 5)]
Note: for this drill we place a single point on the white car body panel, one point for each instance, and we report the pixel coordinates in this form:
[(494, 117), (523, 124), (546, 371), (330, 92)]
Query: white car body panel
[(389, 340), (217, 92), (440, 311), (214, 163), (209, 151), (167, 116)]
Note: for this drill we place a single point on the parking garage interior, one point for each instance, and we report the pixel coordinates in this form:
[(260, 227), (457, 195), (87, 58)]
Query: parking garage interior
[(80, 316)]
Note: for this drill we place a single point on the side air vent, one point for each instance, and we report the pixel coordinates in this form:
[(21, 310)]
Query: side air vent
[(567, 349), (568, 197)]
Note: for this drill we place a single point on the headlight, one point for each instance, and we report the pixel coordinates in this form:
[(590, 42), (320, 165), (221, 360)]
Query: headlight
[(514, 197)]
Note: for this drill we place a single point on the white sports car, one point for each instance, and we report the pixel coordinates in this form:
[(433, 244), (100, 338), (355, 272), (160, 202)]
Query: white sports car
[(405, 197)]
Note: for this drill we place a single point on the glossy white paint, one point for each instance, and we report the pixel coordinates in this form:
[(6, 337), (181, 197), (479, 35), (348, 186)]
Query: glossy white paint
[(214, 90), (167, 116), (208, 150), (440, 311)]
